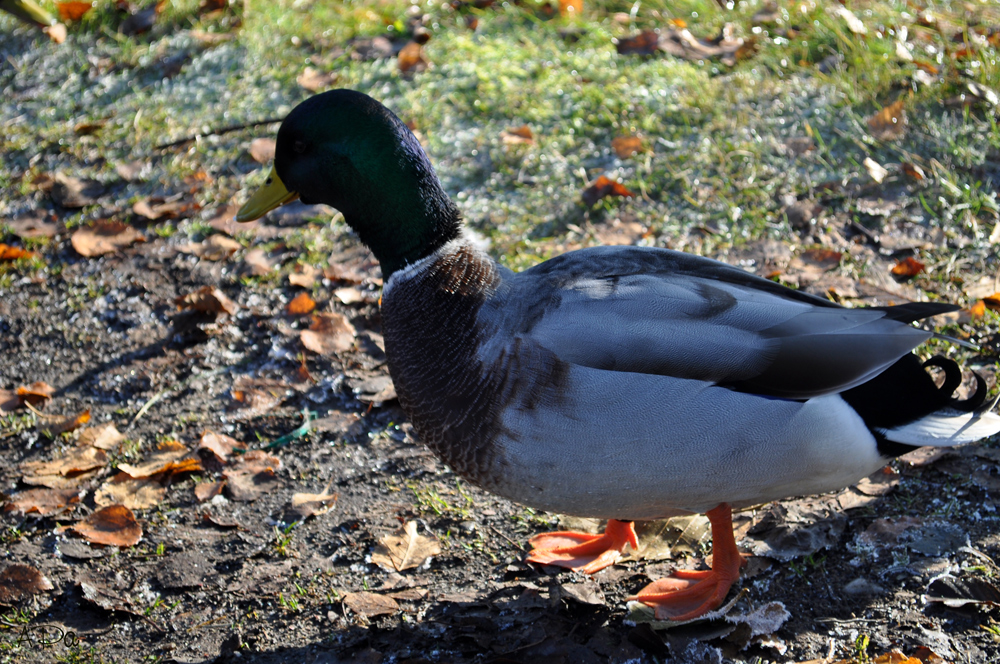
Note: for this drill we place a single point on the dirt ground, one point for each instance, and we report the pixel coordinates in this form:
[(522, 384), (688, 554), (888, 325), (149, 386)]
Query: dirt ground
[(228, 580)]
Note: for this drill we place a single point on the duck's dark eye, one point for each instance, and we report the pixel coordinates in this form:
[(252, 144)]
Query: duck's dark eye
[(299, 146)]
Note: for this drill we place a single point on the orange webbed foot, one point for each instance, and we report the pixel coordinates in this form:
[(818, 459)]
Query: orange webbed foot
[(688, 594), (583, 552)]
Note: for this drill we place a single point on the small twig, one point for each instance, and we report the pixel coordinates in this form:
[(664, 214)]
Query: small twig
[(512, 542), (217, 132)]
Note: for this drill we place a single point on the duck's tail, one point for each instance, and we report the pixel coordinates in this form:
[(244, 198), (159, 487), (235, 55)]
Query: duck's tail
[(904, 408)]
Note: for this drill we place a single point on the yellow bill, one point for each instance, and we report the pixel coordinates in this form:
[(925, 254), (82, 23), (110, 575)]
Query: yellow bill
[(271, 195)]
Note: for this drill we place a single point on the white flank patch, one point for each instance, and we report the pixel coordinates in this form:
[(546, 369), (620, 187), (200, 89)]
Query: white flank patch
[(946, 428)]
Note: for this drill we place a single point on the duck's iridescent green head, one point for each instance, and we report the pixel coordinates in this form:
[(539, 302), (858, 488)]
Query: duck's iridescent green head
[(345, 149)]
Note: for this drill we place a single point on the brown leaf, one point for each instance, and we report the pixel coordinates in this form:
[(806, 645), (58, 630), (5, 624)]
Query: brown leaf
[(73, 11), (9, 253), (914, 171), (315, 80), (602, 187), (37, 394), (20, 581), (135, 494), (213, 248), (36, 224), (646, 42), (304, 275), (626, 146), (889, 123), (262, 150), (405, 550), (305, 505), (220, 445), (258, 262), (207, 299), (411, 58), (517, 136), (9, 401), (78, 460), (992, 302), (907, 268), (252, 475), (72, 192), (170, 457), (370, 605), (63, 425), (157, 208), (301, 304), (329, 334), (45, 502), (726, 47), (108, 591), (207, 490), (112, 526), (131, 171), (103, 436), (104, 237)]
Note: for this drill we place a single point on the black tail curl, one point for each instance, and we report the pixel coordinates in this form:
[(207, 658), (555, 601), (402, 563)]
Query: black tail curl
[(906, 392)]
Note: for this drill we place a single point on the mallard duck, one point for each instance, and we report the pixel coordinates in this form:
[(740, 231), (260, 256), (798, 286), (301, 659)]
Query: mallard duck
[(621, 383)]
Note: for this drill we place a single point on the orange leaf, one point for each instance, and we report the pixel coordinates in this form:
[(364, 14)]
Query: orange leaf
[(926, 66), (570, 7), (104, 237), (517, 135), (411, 58), (301, 304), (45, 502), (907, 268), (678, 23), (114, 525), (626, 146), (913, 171), (8, 253), (68, 424), (978, 310), (209, 300), (604, 186), (889, 123), (992, 301), (73, 11), (329, 334), (36, 393)]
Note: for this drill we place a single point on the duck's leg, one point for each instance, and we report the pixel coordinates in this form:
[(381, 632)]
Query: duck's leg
[(583, 552), (688, 594)]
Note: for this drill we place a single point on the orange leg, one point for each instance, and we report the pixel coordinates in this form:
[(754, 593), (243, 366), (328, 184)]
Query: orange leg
[(688, 594), (583, 552)]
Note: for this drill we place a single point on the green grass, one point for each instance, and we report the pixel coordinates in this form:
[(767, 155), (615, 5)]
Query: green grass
[(715, 172)]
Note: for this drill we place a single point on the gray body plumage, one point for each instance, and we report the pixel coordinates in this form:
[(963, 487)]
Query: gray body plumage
[(632, 383)]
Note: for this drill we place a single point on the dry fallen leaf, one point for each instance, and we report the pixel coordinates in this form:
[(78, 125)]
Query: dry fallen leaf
[(213, 248), (204, 491), (626, 146), (315, 80), (262, 150), (517, 136), (305, 505), (570, 7), (45, 502), (258, 262), (405, 550), (61, 425), (72, 192), (889, 123), (329, 334), (907, 268), (301, 304), (370, 605), (20, 581), (411, 58), (992, 302), (36, 394), (977, 310), (135, 494), (170, 457), (78, 460), (104, 237), (112, 526), (56, 32), (103, 436), (252, 476), (9, 253), (207, 299), (219, 445), (156, 208), (602, 187), (305, 275), (914, 171), (35, 224)]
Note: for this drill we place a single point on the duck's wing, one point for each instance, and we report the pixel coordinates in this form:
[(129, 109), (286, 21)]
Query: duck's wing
[(663, 312)]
